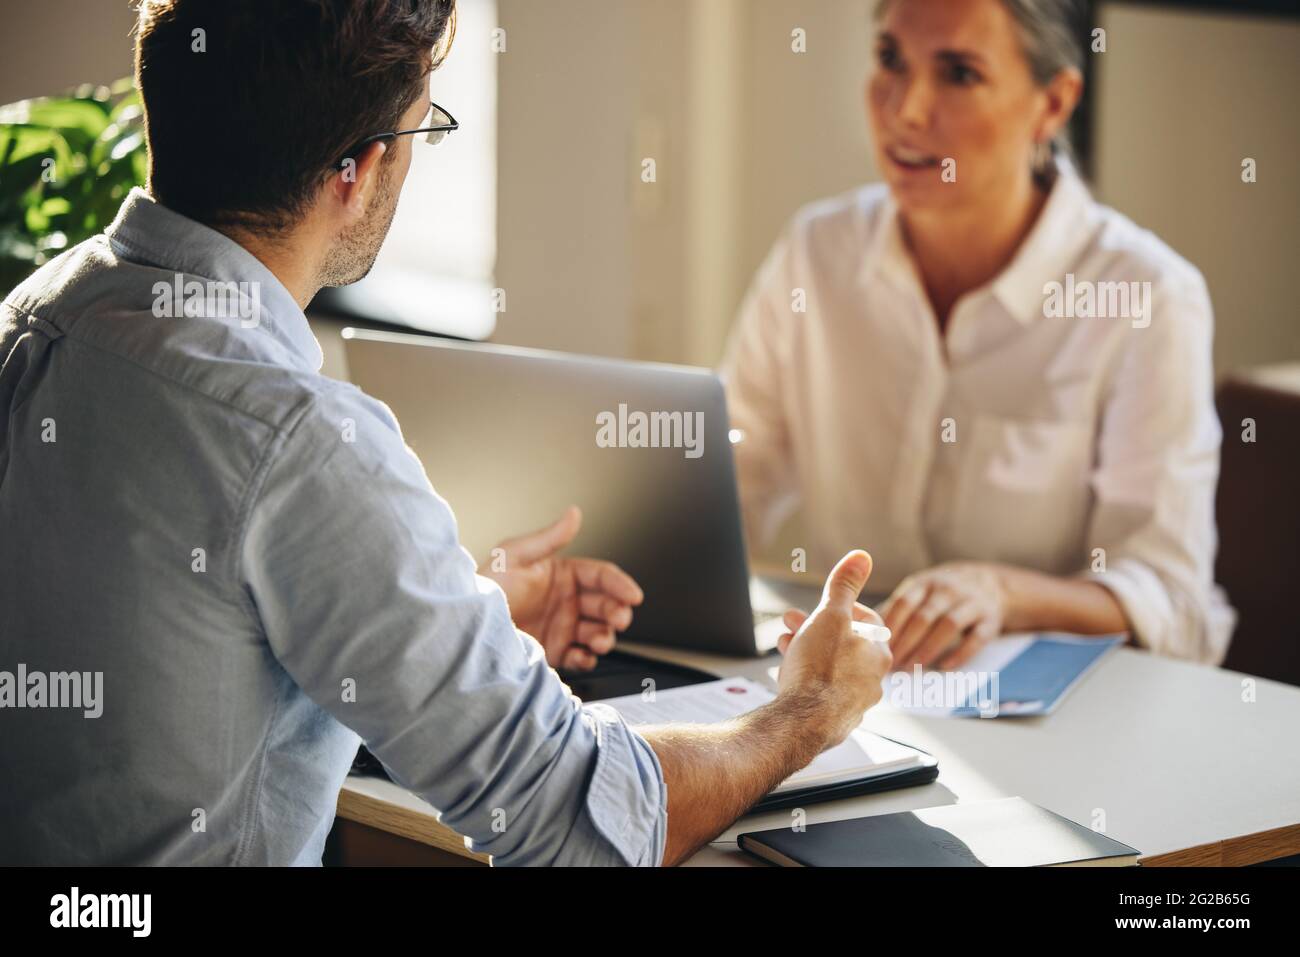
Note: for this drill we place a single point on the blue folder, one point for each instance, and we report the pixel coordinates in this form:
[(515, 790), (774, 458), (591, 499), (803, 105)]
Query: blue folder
[(1035, 681)]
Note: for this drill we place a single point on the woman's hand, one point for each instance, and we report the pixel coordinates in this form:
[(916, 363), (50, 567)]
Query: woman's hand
[(573, 606), (942, 616)]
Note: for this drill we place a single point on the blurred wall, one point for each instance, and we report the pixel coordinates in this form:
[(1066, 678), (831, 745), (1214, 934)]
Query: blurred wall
[(47, 46), (567, 104), (741, 129), (1182, 99)]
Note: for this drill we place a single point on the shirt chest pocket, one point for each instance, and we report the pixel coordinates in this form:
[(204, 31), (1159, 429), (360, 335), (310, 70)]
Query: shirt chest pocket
[(1023, 494)]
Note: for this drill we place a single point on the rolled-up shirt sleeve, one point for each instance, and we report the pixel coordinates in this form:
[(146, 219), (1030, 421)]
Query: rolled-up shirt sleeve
[(372, 607), (1155, 480)]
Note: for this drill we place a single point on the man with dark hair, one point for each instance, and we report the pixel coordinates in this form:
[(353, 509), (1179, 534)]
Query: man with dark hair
[(238, 559)]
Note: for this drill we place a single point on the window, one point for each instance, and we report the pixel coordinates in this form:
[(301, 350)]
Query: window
[(434, 272)]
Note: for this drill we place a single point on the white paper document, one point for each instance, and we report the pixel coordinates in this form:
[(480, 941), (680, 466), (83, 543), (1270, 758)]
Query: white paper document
[(862, 755)]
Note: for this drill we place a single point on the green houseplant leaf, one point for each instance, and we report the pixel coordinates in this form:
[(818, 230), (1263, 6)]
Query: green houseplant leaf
[(66, 164)]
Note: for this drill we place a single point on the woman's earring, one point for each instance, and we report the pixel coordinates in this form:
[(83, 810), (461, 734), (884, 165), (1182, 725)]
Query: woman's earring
[(1042, 159)]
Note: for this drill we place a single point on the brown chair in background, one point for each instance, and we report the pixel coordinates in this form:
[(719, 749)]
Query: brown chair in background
[(1258, 511)]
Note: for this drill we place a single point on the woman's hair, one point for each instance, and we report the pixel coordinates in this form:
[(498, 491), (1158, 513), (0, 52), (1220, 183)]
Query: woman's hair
[(1051, 40), (1048, 35)]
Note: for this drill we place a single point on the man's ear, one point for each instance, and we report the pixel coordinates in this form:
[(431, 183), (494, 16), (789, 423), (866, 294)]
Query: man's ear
[(356, 182), (1063, 92)]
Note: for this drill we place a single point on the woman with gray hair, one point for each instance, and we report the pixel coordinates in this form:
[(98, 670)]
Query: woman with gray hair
[(1001, 386)]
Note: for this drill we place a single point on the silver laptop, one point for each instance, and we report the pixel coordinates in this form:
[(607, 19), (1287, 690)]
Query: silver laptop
[(510, 437)]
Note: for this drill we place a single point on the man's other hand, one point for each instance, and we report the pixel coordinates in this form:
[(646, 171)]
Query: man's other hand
[(827, 663), (573, 606)]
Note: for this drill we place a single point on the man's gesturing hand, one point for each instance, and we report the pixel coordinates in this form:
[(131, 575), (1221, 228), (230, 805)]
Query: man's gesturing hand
[(573, 606), (825, 662), (715, 772)]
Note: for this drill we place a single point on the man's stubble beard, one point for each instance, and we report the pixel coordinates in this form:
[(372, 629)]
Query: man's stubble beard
[(352, 257)]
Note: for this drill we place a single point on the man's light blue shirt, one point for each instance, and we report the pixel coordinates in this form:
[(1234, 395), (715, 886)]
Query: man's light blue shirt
[(256, 564)]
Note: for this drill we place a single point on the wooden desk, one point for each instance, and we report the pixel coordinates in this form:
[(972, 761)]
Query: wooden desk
[(1181, 766)]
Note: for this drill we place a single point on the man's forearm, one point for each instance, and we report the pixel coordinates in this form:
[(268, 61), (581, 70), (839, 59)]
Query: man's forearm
[(715, 773)]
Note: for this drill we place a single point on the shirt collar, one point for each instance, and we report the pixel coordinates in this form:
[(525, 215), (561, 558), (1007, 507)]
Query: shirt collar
[(164, 238), (885, 252), (1052, 244)]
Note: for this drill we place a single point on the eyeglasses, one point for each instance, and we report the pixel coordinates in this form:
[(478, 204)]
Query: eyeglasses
[(437, 124)]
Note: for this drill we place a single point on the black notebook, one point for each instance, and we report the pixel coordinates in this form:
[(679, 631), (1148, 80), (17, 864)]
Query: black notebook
[(1007, 833)]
